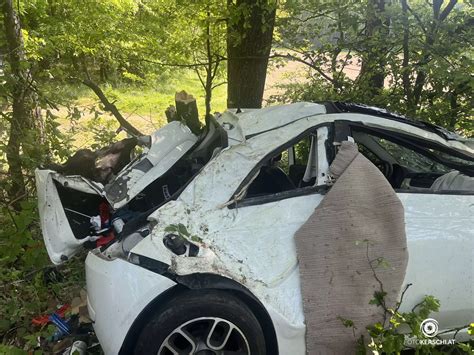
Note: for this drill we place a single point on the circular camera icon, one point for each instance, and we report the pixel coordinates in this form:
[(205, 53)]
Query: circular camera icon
[(429, 327)]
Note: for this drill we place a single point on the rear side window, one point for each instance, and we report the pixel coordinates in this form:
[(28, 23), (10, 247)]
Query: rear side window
[(297, 168), (284, 171)]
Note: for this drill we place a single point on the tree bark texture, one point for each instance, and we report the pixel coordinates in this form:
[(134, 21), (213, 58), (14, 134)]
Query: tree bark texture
[(249, 40), (187, 111), (22, 104), (374, 59)]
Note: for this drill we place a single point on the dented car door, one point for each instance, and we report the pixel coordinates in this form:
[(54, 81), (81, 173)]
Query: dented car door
[(439, 221)]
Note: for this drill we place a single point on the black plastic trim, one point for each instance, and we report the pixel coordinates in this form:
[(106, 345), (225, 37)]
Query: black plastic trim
[(153, 265), (259, 200), (330, 148)]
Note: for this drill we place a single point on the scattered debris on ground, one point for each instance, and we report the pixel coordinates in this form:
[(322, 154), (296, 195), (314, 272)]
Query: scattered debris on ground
[(72, 329)]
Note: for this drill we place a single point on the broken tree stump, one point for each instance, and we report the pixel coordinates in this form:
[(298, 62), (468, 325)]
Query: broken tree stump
[(171, 115), (186, 110)]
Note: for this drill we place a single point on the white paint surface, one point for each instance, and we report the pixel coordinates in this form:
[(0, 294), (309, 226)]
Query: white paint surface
[(117, 291)]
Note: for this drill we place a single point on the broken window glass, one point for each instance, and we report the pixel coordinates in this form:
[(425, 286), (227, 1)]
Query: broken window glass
[(408, 165), (410, 158)]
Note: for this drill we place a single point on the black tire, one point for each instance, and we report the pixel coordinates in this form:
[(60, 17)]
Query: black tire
[(192, 305)]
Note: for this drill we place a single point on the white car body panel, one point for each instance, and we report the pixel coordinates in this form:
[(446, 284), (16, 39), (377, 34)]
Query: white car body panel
[(117, 292), (316, 114), (267, 265), (57, 234), (440, 238), (257, 121), (254, 245), (219, 180), (201, 207), (168, 145)]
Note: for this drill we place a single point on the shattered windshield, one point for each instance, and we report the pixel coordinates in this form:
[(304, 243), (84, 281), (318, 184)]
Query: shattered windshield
[(410, 158)]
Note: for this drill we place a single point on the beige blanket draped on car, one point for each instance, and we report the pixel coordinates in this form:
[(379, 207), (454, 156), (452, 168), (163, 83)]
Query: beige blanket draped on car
[(360, 219)]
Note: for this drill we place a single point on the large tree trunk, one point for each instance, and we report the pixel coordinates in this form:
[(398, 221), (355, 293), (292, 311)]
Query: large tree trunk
[(249, 40), (22, 105), (372, 72)]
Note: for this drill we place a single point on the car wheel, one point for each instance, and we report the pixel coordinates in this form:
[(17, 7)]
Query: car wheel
[(202, 322)]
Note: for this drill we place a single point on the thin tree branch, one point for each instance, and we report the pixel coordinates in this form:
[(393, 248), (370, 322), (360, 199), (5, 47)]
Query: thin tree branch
[(109, 106), (418, 19), (382, 300), (179, 65), (300, 60), (447, 10), (401, 297), (217, 85), (200, 78)]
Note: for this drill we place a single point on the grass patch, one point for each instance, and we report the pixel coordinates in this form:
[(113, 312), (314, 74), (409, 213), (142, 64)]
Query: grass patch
[(152, 100), (142, 105)]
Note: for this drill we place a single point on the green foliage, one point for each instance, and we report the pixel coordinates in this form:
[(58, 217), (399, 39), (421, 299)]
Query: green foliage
[(399, 330), (391, 336), (12, 350), (387, 339), (181, 230), (26, 293), (17, 233), (334, 39)]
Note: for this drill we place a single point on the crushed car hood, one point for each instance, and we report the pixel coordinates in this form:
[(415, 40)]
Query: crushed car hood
[(168, 145)]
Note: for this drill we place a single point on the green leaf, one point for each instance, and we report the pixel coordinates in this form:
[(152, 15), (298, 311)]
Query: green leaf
[(378, 298)]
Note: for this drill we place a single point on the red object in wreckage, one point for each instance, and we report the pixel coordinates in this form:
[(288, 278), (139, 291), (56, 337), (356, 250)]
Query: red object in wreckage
[(104, 213), (105, 239), (44, 319)]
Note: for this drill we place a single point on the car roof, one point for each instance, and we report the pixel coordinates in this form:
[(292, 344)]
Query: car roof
[(254, 122), (338, 106)]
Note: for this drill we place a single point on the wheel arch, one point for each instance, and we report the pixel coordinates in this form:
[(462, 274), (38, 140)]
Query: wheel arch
[(145, 316), (204, 281)]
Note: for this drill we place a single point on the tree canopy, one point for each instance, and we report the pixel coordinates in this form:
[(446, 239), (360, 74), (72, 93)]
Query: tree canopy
[(411, 57)]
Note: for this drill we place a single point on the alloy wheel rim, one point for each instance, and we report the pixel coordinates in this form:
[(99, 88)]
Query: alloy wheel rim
[(206, 336)]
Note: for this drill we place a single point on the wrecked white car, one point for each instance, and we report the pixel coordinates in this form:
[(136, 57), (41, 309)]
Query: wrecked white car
[(202, 257)]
